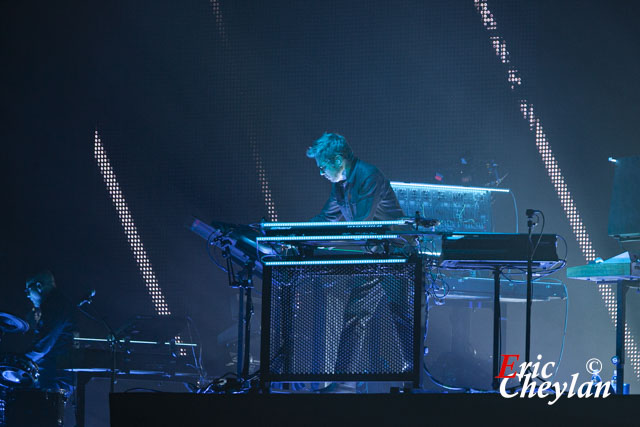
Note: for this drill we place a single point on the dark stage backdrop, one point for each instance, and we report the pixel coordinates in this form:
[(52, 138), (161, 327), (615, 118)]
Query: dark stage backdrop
[(206, 108)]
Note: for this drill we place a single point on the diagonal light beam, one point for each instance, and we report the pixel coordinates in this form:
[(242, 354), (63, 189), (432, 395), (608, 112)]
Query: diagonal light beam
[(265, 187), (129, 227), (555, 174)]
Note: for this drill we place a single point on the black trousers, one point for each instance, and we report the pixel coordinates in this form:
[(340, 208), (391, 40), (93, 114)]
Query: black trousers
[(377, 330)]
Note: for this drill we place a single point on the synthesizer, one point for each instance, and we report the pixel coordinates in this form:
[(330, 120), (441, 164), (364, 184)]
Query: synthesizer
[(491, 250)]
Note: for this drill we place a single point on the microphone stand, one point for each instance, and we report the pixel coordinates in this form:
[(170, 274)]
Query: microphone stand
[(111, 339), (530, 225), (243, 281)]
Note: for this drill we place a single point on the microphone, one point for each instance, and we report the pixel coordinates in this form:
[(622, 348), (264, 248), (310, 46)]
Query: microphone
[(531, 212), (88, 299)]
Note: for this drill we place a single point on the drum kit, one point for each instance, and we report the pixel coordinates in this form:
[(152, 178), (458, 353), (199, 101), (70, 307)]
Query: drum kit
[(16, 370), (21, 402)]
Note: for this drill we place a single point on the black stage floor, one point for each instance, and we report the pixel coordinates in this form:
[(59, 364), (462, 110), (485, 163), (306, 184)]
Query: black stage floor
[(179, 409)]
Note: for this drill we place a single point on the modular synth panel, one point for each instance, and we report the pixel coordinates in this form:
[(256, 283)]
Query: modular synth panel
[(457, 208)]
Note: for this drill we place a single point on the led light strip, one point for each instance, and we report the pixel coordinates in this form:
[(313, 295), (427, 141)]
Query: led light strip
[(338, 261), (182, 344), (267, 196), (215, 8), (430, 253), (336, 237), (129, 228), (448, 187), (556, 176), (337, 224), (265, 188)]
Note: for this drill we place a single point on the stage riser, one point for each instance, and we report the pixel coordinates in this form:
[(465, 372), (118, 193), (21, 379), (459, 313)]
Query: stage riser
[(379, 409)]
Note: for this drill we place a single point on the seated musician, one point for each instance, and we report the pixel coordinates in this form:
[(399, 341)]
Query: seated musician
[(360, 192), (52, 323)]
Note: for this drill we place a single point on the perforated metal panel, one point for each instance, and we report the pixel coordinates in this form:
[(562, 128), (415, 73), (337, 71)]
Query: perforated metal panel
[(341, 322)]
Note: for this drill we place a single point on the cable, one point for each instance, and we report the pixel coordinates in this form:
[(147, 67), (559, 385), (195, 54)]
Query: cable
[(621, 245), (424, 343), (198, 360), (566, 315), (424, 364), (539, 273), (515, 208), (267, 258), (224, 384), (540, 236), (219, 381), (432, 287), (566, 248), (564, 332), (90, 316), (543, 273), (441, 384)]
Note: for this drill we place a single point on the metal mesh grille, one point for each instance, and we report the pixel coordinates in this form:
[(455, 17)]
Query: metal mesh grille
[(342, 320)]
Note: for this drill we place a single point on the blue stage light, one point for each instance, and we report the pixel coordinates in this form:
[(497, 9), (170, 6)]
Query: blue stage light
[(430, 253), (334, 237), (338, 262), (277, 225), (448, 187)]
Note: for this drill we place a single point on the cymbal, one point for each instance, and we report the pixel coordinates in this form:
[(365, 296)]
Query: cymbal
[(11, 323)]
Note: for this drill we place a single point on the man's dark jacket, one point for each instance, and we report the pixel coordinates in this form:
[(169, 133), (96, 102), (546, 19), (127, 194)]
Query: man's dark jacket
[(365, 195)]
